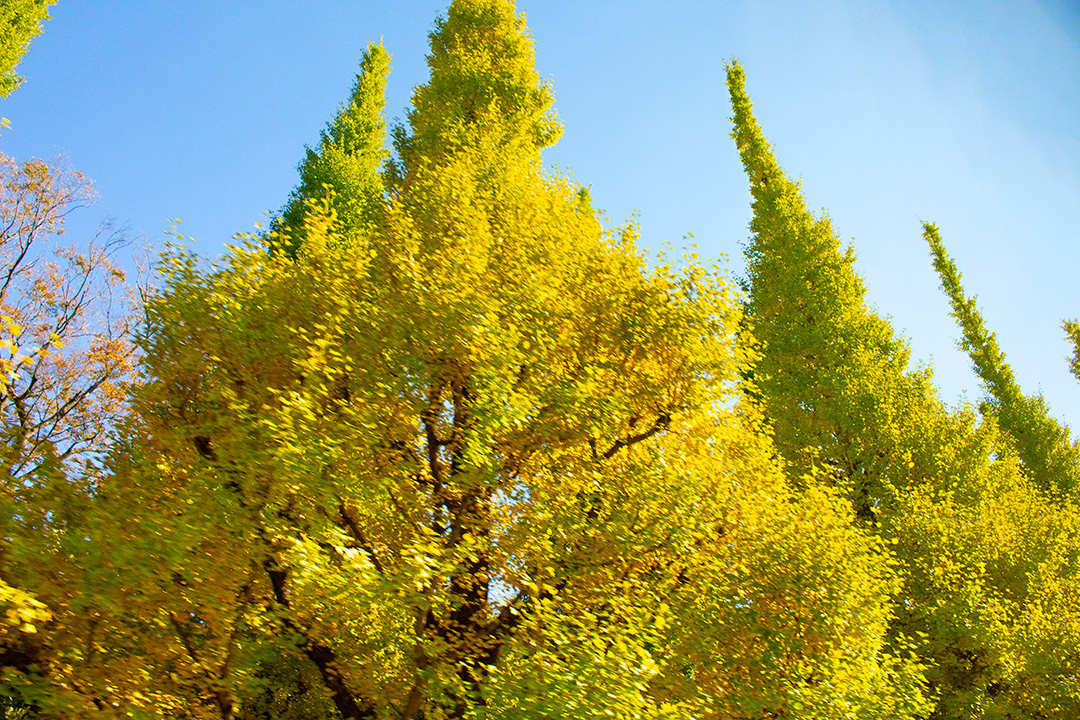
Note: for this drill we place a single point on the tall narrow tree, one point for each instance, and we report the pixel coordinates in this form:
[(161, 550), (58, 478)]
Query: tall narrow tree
[(1042, 444), (983, 552), (834, 379)]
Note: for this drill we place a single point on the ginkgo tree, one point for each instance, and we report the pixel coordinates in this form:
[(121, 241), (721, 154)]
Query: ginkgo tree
[(1072, 331), (986, 551), (441, 444), (1049, 454), (345, 170), (463, 452)]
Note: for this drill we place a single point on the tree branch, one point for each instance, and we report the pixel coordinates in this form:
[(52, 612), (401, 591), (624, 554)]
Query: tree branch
[(349, 523), (321, 655), (662, 423)]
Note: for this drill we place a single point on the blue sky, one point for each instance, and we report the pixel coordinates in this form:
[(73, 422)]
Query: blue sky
[(966, 114)]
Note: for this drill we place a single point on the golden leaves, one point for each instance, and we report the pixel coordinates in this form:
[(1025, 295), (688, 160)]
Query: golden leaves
[(22, 609)]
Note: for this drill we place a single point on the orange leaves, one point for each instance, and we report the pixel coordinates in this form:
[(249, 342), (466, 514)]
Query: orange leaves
[(65, 356), (67, 314)]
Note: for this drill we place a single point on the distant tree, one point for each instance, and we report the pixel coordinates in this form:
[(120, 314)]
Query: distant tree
[(64, 345), (1041, 443), (1072, 330), (20, 23), (984, 552)]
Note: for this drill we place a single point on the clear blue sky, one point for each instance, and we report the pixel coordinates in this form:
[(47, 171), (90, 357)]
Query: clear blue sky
[(963, 113)]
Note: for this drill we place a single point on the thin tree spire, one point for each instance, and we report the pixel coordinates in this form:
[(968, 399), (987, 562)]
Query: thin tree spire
[(1042, 444)]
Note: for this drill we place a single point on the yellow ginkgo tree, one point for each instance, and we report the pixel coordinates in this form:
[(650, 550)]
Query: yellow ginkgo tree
[(442, 444), (464, 452)]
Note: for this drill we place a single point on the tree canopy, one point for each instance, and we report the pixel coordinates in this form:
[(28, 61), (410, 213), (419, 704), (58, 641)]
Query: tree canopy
[(20, 23), (444, 444), (984, 614)]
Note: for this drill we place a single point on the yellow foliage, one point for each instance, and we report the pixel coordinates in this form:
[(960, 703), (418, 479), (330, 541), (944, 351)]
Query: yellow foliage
[(483, 456)]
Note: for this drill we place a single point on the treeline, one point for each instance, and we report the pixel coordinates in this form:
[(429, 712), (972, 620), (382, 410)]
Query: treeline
[(441, 445)]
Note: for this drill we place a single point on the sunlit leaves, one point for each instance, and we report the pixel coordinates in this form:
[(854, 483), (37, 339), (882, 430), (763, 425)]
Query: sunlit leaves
[(979, 588), (486, 457), (445, 445), (1072, 331), (21, 20)]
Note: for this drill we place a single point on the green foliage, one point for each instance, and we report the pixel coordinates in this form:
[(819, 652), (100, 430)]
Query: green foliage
[(346, 167), (833, 380), (1043, 445), (20, 23), (1072, 331), (522, 497), (65, 359), (441, 445), (484, 459), (991, 575), (984, 602), (484, 90)]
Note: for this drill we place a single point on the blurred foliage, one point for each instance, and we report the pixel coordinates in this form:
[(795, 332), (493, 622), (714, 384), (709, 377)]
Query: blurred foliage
[(442, 445), (20, 23)]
